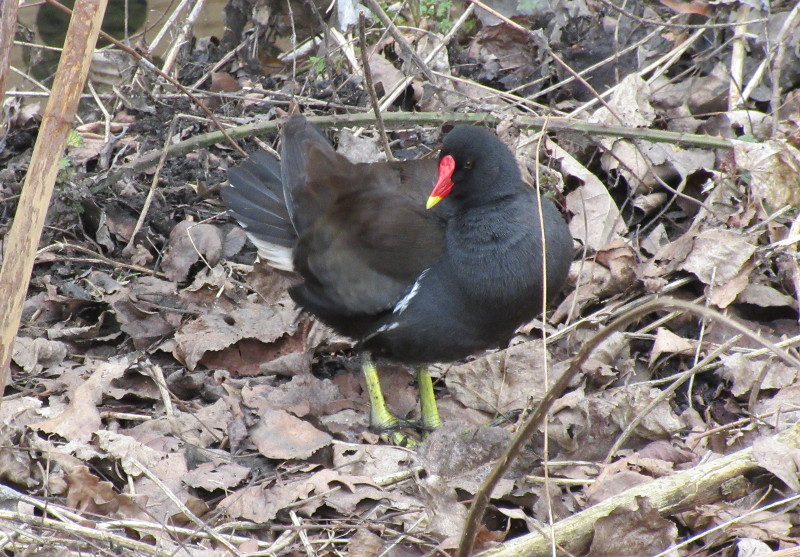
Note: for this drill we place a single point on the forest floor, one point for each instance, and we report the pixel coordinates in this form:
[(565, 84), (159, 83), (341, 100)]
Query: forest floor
[(168, 398)]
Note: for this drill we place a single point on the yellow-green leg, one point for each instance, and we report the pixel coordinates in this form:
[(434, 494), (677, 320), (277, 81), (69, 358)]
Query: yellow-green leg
[(427, 400), (380, 418)]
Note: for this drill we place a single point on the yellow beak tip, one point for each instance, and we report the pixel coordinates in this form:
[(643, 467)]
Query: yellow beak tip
[(432, 200)]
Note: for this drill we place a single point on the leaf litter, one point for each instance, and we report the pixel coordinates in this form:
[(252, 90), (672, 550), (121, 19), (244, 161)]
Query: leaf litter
[(169, 398)]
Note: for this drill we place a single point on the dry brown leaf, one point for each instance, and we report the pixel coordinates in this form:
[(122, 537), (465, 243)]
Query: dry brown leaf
[(637, 531), (364, 543), (500, 381), (188, 243), (87, 494), (218, 329)]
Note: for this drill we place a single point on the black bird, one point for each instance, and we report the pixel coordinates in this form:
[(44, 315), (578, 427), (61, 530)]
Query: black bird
[(409, 281)]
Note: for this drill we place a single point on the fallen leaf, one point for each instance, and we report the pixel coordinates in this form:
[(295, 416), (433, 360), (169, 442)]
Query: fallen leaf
[(281, 435)]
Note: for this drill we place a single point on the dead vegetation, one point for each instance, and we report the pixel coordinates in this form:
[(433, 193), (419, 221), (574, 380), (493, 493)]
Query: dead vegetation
[(166, 397)]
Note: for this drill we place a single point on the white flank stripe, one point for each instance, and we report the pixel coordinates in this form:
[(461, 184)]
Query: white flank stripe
[(403, 304), (385, 328)]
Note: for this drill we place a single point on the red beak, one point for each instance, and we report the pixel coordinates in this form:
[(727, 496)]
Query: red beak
[(444, 183)]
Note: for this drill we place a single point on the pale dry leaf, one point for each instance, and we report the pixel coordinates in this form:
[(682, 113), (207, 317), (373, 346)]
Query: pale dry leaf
[(37, 354), (656, 239), (81, 419), (170, 470), (385, 77), (723, 295), (667, 342), (749, 547), (774, 166), (212, 476), (718, 255), (204, 427), (764, 296), (630, 106), (446, 514), (743, 373), (596, 219), (304, 394), (126, 449), (359, 149), (609, 485), (280, 435), (260, 503), (373, 461), (779, 459)]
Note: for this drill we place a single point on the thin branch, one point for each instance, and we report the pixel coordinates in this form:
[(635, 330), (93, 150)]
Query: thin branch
[(373, 97)]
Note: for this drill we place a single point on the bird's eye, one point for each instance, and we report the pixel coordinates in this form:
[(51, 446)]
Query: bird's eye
[(468, 164)]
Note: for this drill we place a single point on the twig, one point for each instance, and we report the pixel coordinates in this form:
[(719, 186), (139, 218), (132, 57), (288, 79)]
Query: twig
[(157, 375), (405, 120), (735, 100), (80, 532), (400, 87), (8, 25), (405, 47), (98, 258), (373, 97), (180, 40), (26, 230), (302, 533), (151, 192), (790, 23)]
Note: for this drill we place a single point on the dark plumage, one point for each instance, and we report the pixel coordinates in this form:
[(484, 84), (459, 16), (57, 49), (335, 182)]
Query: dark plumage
[(411, 284)]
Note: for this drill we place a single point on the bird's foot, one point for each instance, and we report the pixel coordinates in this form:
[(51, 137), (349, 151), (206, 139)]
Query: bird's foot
[(399, 439)]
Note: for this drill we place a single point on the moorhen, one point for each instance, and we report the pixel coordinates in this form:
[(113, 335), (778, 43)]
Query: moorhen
[(411, 281)]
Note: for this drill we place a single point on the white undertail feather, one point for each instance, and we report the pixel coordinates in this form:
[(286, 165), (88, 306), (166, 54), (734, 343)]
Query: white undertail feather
[(277, 257)]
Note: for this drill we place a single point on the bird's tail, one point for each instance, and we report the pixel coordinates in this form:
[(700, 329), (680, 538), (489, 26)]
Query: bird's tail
[(256, 199)]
